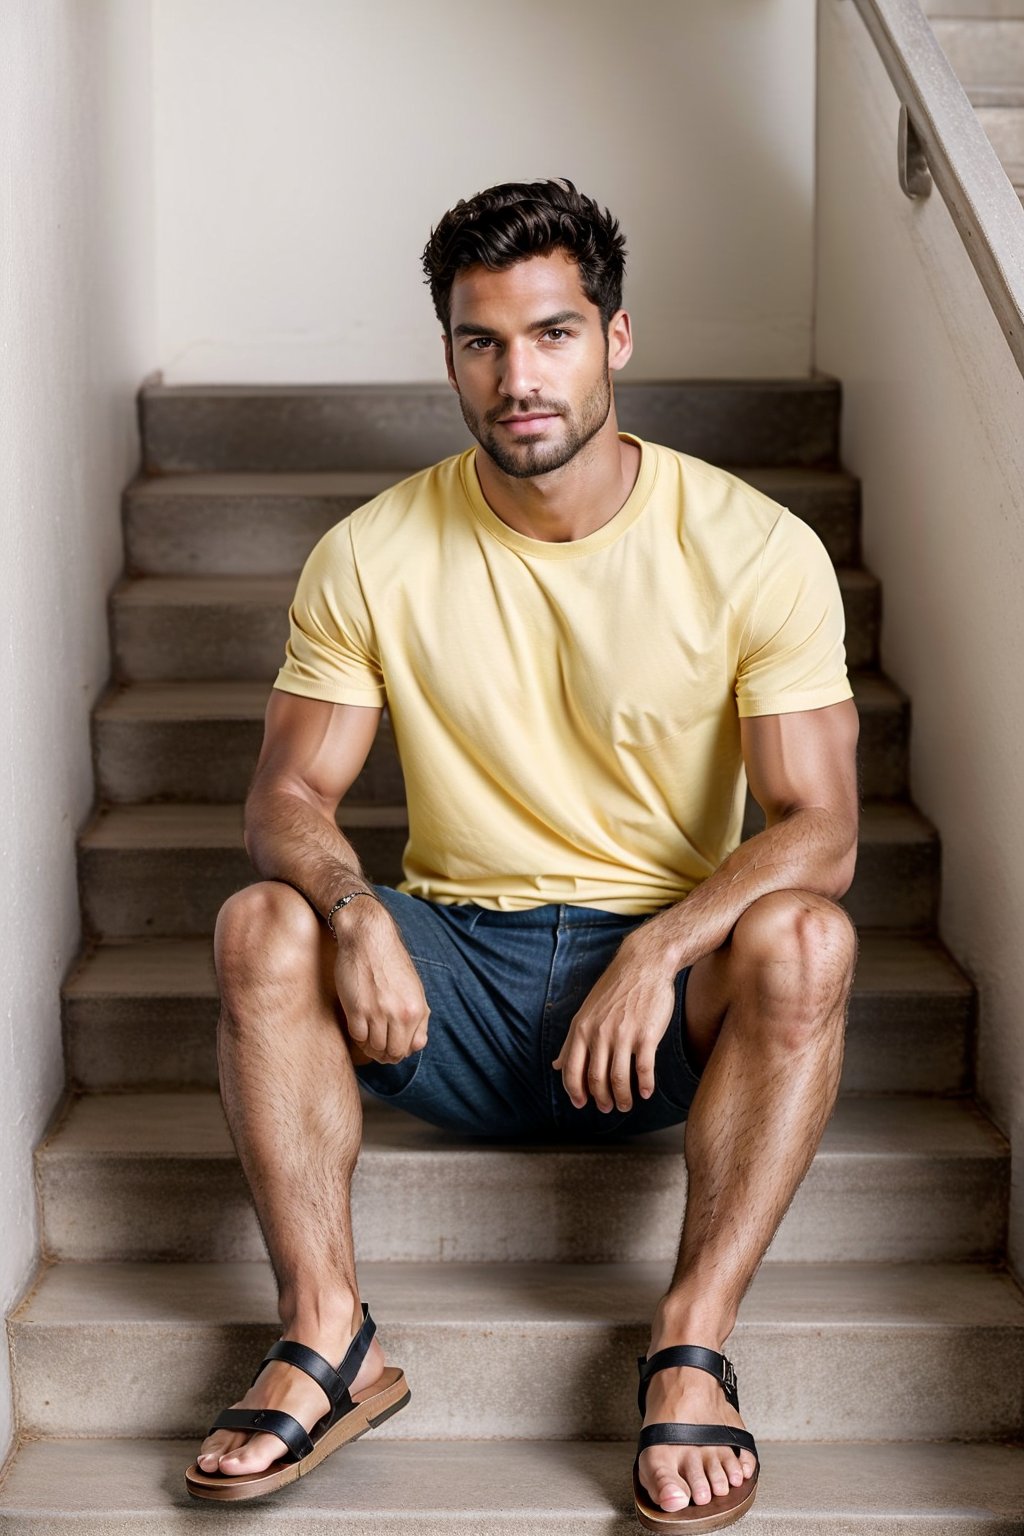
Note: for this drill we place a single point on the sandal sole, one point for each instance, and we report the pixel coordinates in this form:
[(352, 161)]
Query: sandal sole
[(370, 1410)]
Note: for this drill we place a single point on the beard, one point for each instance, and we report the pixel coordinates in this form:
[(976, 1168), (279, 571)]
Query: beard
[(527, 457)]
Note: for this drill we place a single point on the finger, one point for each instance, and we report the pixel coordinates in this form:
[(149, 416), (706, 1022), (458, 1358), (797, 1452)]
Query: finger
[(358, 1027), (573, 1069), (619, 1076), (598, 1077), (646, 1052), (407, 1025)]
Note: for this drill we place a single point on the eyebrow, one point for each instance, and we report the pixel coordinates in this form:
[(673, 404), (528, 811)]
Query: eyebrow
[(564, 317)]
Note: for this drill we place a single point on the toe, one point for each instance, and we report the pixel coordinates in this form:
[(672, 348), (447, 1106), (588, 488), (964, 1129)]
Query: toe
[(692, 1469), (258, 1452), (734, 1469), (215, 1446), (716, 1476), (748, 1463), (669, 1491)]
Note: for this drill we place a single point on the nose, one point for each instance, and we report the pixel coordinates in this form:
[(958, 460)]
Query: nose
[(519, 377)]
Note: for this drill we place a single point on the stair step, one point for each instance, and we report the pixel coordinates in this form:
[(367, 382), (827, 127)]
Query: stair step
[(190, 627), (983, 52), (1005, 128), (155, 1176), (823, 1352), (189, 428), (144, 1014), (151, 870), (199, 741), (984, 10), (519, 1488), (266, 524)]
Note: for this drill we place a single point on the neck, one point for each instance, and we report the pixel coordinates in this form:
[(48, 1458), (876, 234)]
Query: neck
[(567, 503)]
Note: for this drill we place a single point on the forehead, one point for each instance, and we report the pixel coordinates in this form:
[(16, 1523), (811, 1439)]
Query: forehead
[(527, 291)]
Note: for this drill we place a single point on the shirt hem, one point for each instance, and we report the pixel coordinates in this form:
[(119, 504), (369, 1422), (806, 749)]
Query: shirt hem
[(370, 698), (791, 703)]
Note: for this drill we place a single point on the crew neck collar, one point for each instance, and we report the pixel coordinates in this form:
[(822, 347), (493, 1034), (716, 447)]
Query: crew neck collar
[(570, 549)]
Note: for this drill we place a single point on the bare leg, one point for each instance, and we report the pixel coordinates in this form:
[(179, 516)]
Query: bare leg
[(767, 1014), (292, 1102)]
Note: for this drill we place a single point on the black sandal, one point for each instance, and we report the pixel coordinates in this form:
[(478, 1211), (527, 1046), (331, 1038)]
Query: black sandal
[(350, 1415), (725, 1507)]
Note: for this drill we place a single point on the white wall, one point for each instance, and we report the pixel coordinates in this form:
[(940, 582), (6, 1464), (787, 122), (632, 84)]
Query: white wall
[(77, 281), (305, 148), (933, 421)]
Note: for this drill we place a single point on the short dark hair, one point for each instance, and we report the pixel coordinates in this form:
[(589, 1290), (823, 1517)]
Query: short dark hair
[(509, 223)]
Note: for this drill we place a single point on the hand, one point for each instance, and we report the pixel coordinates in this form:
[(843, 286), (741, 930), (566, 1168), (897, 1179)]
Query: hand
[(623, 1017), (378, 986)]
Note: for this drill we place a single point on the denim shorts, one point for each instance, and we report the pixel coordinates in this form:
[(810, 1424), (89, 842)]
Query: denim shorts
[(503, 988)]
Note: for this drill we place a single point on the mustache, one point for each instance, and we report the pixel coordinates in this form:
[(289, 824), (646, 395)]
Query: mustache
[(525, 408)]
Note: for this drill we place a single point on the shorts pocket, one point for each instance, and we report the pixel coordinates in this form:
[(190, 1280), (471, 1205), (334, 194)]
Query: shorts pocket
[(388, 1080)]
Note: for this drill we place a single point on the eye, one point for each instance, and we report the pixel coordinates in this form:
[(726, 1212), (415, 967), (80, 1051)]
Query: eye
[(557, 334), (480, 343)]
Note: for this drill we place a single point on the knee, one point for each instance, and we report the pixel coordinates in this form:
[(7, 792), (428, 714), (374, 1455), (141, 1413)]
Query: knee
[(794, 953), (265, 934)]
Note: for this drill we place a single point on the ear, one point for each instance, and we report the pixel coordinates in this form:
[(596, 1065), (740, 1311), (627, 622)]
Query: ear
[(449, 361), (620, 340)]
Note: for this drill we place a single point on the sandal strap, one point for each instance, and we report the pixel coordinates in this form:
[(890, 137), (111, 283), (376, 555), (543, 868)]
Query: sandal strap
[(268, 1421), (697, 1434), (334, 1381), (696, 1356)]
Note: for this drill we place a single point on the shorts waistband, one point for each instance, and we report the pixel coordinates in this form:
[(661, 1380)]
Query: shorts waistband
[(549, 915)]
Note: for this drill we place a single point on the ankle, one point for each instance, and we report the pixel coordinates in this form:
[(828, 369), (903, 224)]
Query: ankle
[(679, 1320), (334, 1316)]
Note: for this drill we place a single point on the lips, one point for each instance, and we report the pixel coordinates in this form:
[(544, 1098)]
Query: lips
[(525, 424)]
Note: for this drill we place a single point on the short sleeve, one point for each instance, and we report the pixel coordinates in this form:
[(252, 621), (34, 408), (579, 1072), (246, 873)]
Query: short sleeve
[(793, 656), (332, 650)]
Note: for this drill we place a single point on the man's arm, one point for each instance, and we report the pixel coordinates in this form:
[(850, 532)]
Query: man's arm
[(802, 771), (312, 752)]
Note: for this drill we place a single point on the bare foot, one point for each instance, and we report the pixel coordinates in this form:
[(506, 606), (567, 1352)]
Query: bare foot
[(289, 1390), (676, 1474)]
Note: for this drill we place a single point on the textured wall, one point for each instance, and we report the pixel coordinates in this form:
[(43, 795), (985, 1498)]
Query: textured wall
[(932, 421), (305, 147), (76, 318)]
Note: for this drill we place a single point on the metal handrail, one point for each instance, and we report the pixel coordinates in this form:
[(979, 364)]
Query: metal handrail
[(984, 206)]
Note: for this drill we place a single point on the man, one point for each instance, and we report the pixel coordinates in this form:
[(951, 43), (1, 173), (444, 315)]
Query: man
[(583, 639)]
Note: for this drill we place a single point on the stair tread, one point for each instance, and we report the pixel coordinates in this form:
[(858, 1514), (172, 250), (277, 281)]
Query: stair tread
[(220, 826), (807, 1297), (212, 826), (519, 1488), (770, 478), (241, 699), (887, 963), (192, 591), (191, 1125)]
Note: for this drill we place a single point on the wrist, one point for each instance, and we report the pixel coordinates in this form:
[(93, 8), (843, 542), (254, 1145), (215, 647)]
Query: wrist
[(657, 945), (339, 910)]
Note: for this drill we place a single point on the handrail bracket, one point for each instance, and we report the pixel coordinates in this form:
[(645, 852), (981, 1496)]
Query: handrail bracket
[(912, 162)]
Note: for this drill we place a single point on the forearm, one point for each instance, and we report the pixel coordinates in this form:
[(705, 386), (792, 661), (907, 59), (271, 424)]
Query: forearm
[(811, 849), (291, 838)]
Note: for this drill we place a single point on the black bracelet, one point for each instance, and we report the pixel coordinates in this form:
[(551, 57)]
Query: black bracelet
[(344, 901)]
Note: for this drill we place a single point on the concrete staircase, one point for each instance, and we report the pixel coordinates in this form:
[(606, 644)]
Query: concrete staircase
[(881, 1349), (984, 42)]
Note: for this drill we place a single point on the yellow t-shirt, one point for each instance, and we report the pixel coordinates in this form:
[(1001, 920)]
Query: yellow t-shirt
[(567, 715)]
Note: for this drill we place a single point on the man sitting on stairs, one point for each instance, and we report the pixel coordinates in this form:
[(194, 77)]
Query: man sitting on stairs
[(583, 639)]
